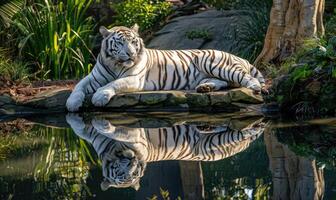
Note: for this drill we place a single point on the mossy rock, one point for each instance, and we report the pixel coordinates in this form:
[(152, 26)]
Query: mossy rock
[(55, 100)]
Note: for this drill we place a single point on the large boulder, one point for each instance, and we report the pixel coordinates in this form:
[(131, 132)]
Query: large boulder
[(54, 101), (212, 29)]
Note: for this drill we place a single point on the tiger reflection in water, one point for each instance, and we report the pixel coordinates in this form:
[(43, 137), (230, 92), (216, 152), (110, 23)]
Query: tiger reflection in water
[(125, 151)]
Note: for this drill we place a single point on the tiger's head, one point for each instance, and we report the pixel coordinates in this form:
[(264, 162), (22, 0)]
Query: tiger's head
[(122, 168), (121, 45)]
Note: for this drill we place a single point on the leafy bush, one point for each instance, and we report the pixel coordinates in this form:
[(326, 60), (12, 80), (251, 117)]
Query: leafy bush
[(56, 37), (309, 85), (146, 13)]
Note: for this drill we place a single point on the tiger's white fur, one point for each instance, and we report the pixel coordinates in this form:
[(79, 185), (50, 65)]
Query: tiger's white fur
[(125, 151), (125, 65)]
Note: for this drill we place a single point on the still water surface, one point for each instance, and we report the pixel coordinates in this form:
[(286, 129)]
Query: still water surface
[(167, 155)]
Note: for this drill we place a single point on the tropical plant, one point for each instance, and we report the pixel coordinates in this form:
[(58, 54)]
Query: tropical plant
[(56, 36), (8, 8), (146, 13)]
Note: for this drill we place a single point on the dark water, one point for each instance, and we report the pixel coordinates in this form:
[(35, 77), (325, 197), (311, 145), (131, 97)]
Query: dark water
[(167, 156)]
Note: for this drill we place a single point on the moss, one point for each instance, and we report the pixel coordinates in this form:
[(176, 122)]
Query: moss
[(199, 34)]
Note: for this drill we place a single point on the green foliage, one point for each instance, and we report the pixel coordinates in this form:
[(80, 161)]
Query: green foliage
[(164, 195), (331, 26), (301, 73), (8, 8), (56, 37), (309, 81), (220, 4), (315, 141), (199, 34), (146, 13), (248, 38), (13, 71)]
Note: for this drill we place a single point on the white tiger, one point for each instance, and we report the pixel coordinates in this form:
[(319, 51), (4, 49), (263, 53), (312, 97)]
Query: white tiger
[(125, 65), (125, 151)]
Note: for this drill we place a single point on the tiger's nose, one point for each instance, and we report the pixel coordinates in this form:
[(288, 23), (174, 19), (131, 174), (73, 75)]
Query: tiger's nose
[(131, 54)]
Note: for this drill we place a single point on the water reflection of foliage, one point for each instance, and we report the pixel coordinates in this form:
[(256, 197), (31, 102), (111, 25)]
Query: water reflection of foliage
[(311, 141), (239, 179), (18, 139), (63, 167), (66, 163)]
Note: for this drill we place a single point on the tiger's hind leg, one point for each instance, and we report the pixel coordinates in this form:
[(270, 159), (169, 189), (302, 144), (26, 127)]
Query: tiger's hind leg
[(210, 85)]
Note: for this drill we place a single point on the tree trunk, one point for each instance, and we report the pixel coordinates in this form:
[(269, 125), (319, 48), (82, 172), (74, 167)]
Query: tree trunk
[(291, 21), (294, 177), (192, 180)]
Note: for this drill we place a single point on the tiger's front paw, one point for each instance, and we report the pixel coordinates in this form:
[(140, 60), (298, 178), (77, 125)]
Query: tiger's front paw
[(103, 126), (255, 86), (75, 121), (264, 91), (205, 88), (102, 97), (75, 101)]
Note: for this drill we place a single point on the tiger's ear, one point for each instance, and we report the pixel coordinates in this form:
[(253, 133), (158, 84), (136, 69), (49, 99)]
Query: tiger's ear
[(135, 28), (105, 185), (104, 31), (136, 186)]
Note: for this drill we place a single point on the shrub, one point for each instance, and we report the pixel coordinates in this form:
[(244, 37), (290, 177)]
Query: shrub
[(309, 85), (56, 37), (146, 13)]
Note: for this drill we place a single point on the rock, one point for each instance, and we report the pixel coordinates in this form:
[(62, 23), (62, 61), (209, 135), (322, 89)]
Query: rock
[(124, 100), (5, 99), (216, 30), (54, 101), (244, 95)]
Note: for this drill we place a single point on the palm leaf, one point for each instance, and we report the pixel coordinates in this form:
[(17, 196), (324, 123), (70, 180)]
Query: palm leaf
[(8, 8)]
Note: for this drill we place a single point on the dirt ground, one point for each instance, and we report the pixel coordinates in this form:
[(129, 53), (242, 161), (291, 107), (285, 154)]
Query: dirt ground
[(26, 91)]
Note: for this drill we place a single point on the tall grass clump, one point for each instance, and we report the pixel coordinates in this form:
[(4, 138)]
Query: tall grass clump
[(56, 36), (251, 33), (248, 39), (12, 71)]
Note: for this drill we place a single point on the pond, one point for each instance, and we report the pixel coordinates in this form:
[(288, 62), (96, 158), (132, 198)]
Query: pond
[(167, 156)]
